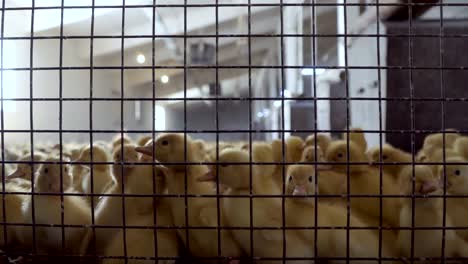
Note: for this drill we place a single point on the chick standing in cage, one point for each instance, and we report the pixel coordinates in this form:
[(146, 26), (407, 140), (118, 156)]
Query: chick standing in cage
[(178, 149), (427, 212), (141, 179), (140, 212), (52, 179)]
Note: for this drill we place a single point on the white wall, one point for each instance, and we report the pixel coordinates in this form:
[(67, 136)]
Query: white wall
[(76, 83), (365, 114), (364, 53)]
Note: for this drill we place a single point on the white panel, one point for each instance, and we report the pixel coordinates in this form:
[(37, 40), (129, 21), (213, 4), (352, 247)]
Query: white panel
[(363, 52), (9, 77), (160, 118)]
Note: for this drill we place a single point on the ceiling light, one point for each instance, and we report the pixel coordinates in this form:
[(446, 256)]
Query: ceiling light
[(141, 58), (164, 79)]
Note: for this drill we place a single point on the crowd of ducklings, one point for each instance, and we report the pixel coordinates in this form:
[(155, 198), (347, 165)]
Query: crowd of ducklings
[(339, 186)]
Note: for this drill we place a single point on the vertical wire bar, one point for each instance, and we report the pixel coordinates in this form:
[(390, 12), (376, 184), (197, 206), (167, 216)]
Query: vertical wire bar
[(217, 125), (31, 124), (413, 121), (122, 64), (2, 29), (379, 91), (249, 43), (348, 185), (153, 111), (62, 212), (314, 80), (187, 244), (91, 75), (442, 91), (283, 218)]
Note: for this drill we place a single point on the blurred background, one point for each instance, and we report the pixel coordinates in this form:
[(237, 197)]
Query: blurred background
[(331, 81)]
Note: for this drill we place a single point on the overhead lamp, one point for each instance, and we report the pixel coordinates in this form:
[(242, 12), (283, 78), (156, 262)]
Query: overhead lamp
[(141, 58), (164, 79)]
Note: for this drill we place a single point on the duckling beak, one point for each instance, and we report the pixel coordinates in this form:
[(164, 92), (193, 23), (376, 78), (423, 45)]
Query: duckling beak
[(146, 150), (428, 187), (299, 190), (16, 174), (207, 177)]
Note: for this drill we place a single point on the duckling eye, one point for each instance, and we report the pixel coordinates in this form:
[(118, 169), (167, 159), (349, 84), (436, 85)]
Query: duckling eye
[(290, 178), (46, 170), (165, 143), (457, 172), (340, 155), (310, 178), (384, 157)]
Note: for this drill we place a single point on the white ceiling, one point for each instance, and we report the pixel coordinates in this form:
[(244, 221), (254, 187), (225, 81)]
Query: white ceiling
[(168, 21)]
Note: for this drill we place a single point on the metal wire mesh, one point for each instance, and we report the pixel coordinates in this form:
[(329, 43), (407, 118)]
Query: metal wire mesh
[(117, 225)]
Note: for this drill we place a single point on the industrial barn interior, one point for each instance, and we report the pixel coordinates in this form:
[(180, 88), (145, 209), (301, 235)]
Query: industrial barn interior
[(233, 131)]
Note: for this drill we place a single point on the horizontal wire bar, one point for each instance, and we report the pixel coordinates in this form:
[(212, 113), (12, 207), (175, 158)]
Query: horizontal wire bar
[(225, 131), (264, 35), (172, 99), (252, 258), (383, 164), (69, 68), (224, 257), (253, 196), (312, 227), (232, 5)]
